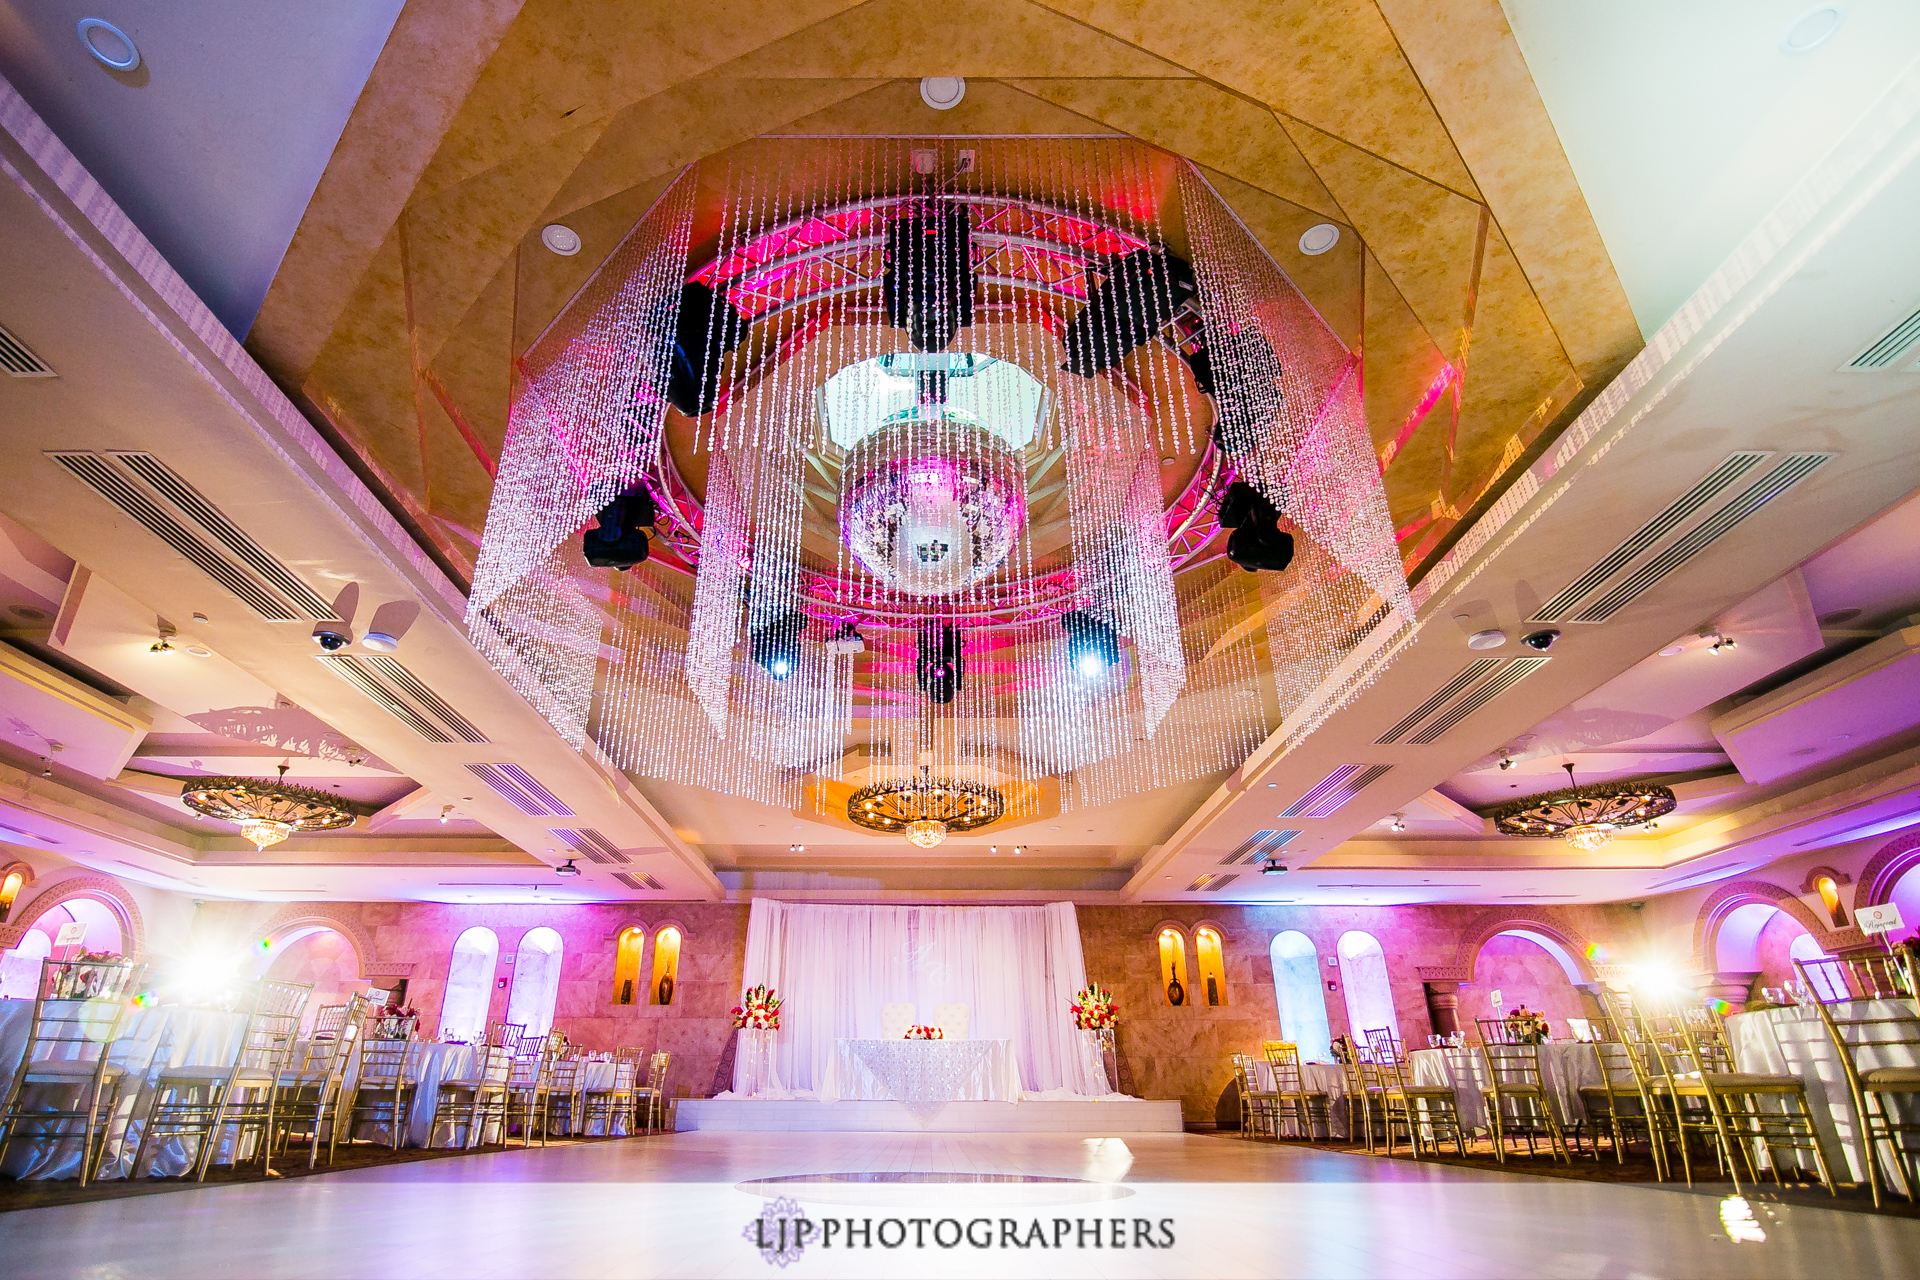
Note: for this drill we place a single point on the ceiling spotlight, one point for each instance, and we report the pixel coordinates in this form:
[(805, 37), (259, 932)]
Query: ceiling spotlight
[(939, 665), (110, 46), (566, 869), (1317, 239), (164, 644), (942, 93), (1722, 644), (619, 539), (1093, 646), (1507, 762), (562, 240), (796, 848), (1399, 822), (846, 641), (776, 646), (445, 811)]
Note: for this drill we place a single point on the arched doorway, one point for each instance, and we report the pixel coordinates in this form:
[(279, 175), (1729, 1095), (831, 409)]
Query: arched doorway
[(20, 965), (320, 958), (1524, 967)]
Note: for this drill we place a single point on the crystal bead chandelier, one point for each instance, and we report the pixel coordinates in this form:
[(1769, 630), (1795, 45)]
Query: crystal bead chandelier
[(268, 812), (1587, 818)]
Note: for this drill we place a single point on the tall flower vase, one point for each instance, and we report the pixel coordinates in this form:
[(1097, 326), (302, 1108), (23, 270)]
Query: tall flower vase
[(1100, 1044), (755, 1061)]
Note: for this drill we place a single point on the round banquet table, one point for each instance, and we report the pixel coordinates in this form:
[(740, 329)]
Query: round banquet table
[(151, 1039), (1794, 1041), (1565, 1066), (1315, 1077)]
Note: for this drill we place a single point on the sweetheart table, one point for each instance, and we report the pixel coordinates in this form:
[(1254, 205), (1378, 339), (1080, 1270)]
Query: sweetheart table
[(922, 1075)]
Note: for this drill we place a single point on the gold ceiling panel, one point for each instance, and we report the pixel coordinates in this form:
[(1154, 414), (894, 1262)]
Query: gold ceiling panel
[(1004, 39), (1399, 365), (1331, 63), (1330, 281), (990, 107), (546, 280)]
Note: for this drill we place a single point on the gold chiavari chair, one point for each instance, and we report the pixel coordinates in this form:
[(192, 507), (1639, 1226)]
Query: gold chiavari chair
[(1868, 1008), (78, 1010), (651, 1098), (386, 1080), (1257, 1105), (612, 1105), (1516, 1098), (472, 1102), (1715, 1099), (1363, 1094), (203, 1100), (1621, 1103), (310, 1092), (1432, 1108), (1296, 1103), (530, 1085), (563, 1104)]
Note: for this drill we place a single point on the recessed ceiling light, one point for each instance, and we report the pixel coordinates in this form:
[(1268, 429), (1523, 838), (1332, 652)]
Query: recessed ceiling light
[(1486, 639), (109, 45), (563, 240), (942, 93), (1805, 751), (1317, 239), (199, 651), (1813, 28), (1673, 651), (379, 642)]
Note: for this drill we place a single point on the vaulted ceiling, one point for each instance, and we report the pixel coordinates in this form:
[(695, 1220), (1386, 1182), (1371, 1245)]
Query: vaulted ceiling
[(1468, 274)]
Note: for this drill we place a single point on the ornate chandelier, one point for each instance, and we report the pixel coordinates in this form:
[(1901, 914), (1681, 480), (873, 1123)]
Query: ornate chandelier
[(925, 810), (1585, 817), (268, 812)]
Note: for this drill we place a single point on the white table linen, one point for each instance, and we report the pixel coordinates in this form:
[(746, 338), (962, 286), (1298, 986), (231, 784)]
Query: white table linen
[(923, 1075), (1315, 1077), (151, 1040), (1565, 1067), (1794, 1041)]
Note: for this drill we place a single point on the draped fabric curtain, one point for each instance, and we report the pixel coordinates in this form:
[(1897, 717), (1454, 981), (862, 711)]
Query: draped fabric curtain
[(1016, 968)]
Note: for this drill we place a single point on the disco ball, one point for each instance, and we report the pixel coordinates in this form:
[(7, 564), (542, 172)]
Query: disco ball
[(931, 508)]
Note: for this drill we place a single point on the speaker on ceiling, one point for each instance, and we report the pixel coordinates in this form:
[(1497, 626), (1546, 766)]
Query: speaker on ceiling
[(928, 281), (1136, 298), (939, 666), (708, 327)]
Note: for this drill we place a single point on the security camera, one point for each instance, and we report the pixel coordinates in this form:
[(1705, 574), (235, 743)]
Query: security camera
[(333, 636), (1541, 640)]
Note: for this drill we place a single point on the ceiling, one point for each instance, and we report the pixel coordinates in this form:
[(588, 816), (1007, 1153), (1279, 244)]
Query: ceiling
[(1516, 206)]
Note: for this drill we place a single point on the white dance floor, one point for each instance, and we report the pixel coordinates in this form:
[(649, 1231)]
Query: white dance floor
[(1005, 1205), (1133, 1115)]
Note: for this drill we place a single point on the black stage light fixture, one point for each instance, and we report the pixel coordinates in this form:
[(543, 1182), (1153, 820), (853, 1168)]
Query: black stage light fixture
[(708, 327), (1093, 646), (1137, 298), (1238, 422), (620, 542), (939, 667), (776, 646), (1257, 541), (928, 282)]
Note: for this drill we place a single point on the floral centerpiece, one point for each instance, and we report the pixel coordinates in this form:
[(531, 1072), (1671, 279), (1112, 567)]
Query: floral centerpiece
[(1093, 1008), (78, 983), (1527, 1026), (758, 1010), (925, 1033), (394, 1022)]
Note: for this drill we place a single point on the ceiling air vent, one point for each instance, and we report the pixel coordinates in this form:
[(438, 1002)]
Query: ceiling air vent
[(589, 844), (400, 693), (1334, 790), (155, 496), (1692, 523), (1487, 684), (1220, 882), (639, 880), (1450, 690), (18, 359), (516, 786), (1199, 884), (1887, 350), (1259, 845)]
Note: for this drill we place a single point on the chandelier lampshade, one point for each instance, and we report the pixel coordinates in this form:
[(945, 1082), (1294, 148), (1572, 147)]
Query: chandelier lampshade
[(268, 812), (1588, 817)]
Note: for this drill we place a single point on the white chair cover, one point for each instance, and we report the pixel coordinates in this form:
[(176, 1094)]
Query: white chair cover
[(895, 1019), (952, 1020)]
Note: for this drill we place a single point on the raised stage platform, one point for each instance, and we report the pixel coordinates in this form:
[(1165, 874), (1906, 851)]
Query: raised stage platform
[(1135, 1115)]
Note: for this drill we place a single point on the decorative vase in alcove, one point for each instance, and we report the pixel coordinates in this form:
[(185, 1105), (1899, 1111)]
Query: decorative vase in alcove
[(1176, 994), (1213, 991), (666, 988)]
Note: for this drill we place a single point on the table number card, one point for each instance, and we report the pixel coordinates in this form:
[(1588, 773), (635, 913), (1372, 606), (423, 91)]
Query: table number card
[(72, 933), (1884, 918)]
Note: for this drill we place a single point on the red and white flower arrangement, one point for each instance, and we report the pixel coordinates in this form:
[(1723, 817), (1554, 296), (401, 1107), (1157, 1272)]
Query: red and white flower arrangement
[(758, 1010), (918, 1032), (1527, 1026), (1093, 1008)]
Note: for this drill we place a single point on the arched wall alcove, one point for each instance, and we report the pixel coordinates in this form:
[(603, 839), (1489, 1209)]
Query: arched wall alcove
[(536, 980), (470, 977), (1300, 995), (1725, 905), (106, 891), (1367, 986)]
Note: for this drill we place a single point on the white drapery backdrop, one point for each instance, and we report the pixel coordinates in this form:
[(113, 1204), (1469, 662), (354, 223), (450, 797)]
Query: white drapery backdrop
[(1016, 968)]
